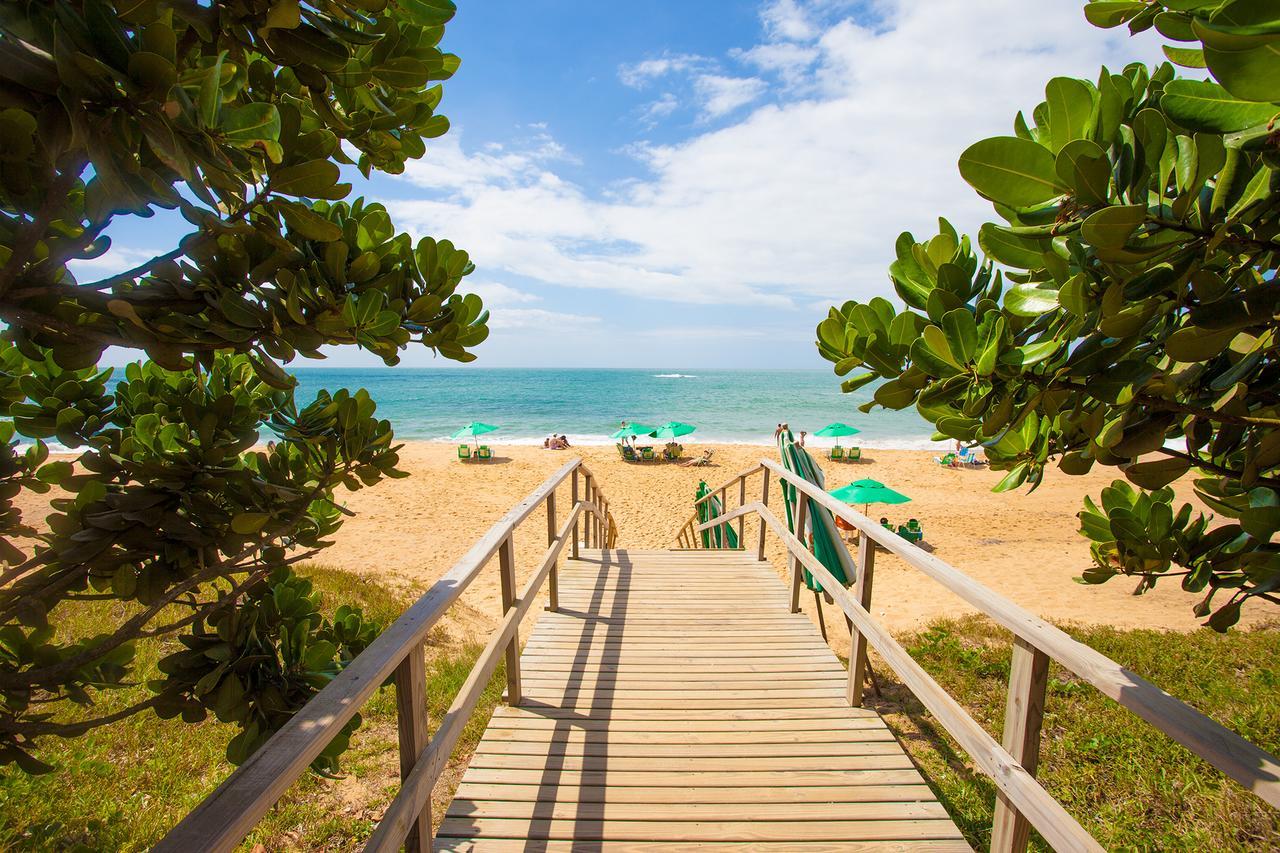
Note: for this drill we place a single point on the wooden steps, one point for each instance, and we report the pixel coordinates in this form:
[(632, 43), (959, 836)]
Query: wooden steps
[(673, 703)]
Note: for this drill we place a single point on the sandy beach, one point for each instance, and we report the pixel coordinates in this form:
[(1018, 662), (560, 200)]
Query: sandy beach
[(1025, 546)]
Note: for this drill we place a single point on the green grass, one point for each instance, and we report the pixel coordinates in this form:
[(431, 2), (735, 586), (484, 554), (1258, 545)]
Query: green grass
[(1127, 783), (122, 786)]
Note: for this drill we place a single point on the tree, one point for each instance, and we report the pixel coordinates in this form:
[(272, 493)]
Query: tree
[(239, 115), (1132, 321)]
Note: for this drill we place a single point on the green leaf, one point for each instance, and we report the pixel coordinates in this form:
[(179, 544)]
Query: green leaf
[(1070, 104), (312, 179), (1187, 57), (307, 222), (1204, 105), (251, 124), (1012, 171), (1251, 74), (1012, 249), (1157, 473), (1111, 227), (1027, 300), (248, 523), (1112, 13), (430, 13)]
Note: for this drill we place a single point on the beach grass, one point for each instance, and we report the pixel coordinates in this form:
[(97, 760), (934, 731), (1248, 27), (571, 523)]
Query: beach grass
[(1127, 783), (121, 787)]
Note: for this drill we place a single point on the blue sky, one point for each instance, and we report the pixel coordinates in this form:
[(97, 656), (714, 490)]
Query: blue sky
[(691, 184)]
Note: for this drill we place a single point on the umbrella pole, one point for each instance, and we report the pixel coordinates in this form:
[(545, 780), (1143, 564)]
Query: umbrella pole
[(817, 603)]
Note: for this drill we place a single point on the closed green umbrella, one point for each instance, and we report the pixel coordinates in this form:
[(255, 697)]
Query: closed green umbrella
[(474, 429), (867, 492), (723, 536), (672, 430), (836, 430)]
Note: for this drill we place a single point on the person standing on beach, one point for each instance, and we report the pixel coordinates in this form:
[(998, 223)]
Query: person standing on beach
[(803, 433)]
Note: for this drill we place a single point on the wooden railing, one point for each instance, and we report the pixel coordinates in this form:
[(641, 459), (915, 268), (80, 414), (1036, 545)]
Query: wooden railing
[(222, 820), (1021, 801)]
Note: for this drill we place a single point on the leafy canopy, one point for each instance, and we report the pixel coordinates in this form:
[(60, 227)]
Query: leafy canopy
[(1125, 312), (238, 114)]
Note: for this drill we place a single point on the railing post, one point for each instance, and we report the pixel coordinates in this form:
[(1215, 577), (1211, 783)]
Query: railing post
[(411, 720), (764, 499), (724, 525), (507, 566), (742, 499), (802, 519), (858, 648), (1023, 716), (553, 579), (589, 496), (573, 504)]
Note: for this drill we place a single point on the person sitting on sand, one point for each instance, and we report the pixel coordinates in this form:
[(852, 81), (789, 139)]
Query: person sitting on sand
[(546, 443), (564, 442), (704, 460)]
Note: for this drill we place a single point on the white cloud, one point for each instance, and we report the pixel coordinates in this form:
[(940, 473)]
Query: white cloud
[(787, 20), (538, 318), (637, 75), (659, 109), (115, 260), (791, 62), (797, 201), (722, 95), (494, 293)]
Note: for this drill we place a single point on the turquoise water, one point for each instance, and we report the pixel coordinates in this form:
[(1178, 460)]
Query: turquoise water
[(588, 404)]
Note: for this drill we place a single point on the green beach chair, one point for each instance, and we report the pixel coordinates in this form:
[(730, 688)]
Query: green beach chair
[(836, 454), (628, 453), (464, 452), (646, 454), (854, 455), (484, 453)]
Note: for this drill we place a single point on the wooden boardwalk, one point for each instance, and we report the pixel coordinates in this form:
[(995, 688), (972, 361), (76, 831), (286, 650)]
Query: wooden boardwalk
[(673, 702)]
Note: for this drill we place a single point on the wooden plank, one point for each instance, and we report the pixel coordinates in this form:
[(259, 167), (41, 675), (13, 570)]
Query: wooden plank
[(463, 807), (500, 845), (898, 761), (738, 712), (808, 737), (694, 780), (639, 830), (601, 746), (674, 794), (507, 568)]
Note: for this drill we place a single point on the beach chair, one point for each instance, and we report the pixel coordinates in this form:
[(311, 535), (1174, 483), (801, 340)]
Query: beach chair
[(464, 452), (646, 454), (697, 463), (836, 454), (671, 454), (885, 523), (628, 453), (622, 450), (946, 461), (854, 454), (911, 531), (484, 453)]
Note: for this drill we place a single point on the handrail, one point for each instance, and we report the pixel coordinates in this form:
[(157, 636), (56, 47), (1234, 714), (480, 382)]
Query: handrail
[(227, 815), (1021, 800)]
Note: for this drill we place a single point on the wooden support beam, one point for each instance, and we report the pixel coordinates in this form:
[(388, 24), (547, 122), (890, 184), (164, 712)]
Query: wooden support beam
[(764, 499), (507, 565), (742, 499), (797, 570), (858, 647), (1024, 714), (411, 721), (553, 580), (573, 503)]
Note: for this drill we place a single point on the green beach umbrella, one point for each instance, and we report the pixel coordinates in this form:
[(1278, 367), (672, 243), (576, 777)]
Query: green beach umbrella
[(632, 430), (867, 492), (836, 430), (474, 429), (672, 430)]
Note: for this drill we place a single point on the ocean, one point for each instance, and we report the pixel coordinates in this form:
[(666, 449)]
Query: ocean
[(741, 406)]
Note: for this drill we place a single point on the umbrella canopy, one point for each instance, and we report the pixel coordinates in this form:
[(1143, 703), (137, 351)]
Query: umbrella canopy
[(632, 430), (672, 430), (474, 429), (868, 492), (836, 430)]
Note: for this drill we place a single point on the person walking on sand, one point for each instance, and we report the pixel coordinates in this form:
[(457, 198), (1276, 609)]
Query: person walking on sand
[(802, 435), (777, 432)]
